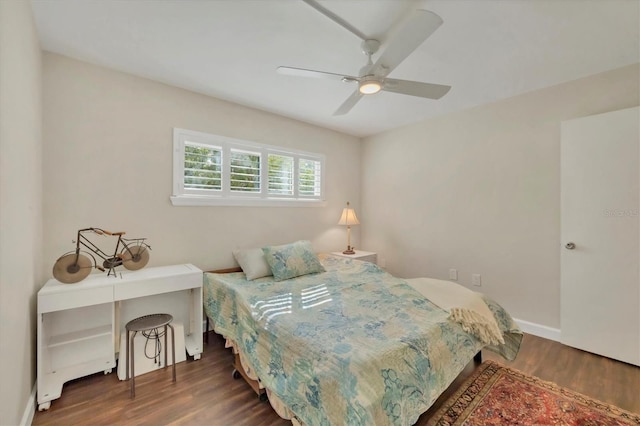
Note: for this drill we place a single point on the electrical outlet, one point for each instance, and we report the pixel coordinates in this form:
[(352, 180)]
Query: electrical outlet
[(453, 274), (476, 280)]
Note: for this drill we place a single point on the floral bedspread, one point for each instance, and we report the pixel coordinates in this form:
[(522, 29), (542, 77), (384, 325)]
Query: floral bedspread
[(353, 345)]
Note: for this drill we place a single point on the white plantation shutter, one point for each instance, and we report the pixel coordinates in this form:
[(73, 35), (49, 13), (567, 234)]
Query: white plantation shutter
[(216, 170), (281, 177), (310, 175), (202, 167), (244, 173)]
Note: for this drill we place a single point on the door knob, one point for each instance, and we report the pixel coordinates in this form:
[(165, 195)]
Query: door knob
[(570, 246)]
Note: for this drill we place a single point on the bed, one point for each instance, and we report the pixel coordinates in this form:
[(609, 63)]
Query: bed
[(351, 345)]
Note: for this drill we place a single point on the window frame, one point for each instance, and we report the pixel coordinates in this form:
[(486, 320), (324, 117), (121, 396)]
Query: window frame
[(225, 196)]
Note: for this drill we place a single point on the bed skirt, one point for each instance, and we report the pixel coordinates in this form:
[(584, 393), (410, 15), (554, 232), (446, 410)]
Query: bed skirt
[(247, 372)]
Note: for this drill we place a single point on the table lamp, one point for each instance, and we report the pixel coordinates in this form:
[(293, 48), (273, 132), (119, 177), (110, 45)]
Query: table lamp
[(348, 218)]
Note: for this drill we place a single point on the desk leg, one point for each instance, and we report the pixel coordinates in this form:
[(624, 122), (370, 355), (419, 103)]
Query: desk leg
[(192, 314), (193, 338), (116, 326)]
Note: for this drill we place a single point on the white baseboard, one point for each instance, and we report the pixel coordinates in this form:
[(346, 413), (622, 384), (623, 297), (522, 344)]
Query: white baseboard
[(30, 409), (539, 330)]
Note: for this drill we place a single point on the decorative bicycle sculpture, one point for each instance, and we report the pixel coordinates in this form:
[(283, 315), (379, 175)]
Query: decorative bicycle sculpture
[(74, 266)]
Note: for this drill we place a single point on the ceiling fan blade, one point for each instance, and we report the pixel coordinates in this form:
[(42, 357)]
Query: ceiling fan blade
[(415, 30), (415, 88), (349, 103), (301, 72), (335, 18)]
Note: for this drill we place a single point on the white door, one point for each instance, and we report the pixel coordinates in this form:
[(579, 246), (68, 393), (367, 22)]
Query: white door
[(600, 279)]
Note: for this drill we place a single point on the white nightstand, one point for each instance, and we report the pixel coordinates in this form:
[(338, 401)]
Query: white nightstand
[(366, 256)]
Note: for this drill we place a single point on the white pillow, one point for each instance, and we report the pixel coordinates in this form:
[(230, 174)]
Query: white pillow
[(253, 263)]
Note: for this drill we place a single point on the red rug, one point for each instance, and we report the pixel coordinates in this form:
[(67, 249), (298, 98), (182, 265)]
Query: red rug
[(499, 395)]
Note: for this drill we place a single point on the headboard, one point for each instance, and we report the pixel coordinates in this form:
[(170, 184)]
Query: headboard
[(226, 271)]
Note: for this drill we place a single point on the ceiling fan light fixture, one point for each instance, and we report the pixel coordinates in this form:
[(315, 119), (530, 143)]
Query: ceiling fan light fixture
[(369, 87)]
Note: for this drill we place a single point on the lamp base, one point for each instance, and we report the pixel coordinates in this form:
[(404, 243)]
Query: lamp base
[(349, 250)]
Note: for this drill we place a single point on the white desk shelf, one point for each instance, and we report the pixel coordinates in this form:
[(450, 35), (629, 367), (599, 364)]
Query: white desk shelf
[(79, 325), (80, 335)]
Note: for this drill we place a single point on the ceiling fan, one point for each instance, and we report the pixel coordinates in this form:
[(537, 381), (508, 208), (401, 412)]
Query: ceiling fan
[(373, 76)]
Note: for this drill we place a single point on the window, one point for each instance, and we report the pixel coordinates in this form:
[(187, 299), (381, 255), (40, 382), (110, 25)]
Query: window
[(216, 170), (245, 171), (310, 174), (280, 174), (202, 167)]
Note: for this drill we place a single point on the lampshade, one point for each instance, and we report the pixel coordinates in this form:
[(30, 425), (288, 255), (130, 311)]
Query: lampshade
[(348, 217)]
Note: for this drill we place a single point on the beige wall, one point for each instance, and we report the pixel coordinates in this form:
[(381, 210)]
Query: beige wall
[(108, 141), (479, 191), (20, 205)]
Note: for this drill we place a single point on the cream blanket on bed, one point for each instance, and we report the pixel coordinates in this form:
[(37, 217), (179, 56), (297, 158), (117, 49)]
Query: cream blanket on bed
[(464, 306)]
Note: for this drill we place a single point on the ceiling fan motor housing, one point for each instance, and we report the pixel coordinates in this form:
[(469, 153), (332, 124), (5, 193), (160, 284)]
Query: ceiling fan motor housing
[(370, 46)]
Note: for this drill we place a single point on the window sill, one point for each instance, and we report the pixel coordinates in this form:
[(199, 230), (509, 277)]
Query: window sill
[(194, 200)]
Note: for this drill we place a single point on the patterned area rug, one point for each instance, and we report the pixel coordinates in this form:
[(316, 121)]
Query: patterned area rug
[(499, 395)]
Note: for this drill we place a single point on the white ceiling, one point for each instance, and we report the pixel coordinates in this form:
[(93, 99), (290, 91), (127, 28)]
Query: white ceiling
[(486, 49)]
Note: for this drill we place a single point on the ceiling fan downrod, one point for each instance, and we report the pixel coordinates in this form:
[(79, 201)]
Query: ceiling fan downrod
[(369, 84)]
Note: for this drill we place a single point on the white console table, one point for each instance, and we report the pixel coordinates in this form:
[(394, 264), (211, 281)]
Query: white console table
[(79, 325)]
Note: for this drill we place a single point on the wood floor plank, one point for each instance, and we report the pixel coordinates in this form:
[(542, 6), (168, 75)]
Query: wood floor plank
[(206, 394)]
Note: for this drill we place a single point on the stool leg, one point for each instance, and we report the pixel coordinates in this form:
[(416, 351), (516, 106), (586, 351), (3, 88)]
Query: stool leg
[(133, 365), (173, 350), (126, 377), (166, 348)]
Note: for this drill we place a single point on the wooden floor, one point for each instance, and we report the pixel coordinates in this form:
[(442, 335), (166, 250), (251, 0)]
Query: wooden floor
[(206, 394)]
